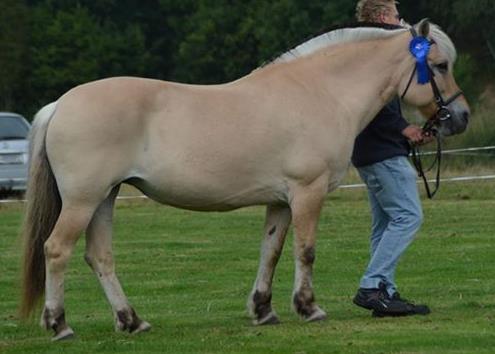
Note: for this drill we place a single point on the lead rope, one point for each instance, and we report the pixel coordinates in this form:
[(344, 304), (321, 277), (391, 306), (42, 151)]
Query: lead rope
[(418, 165)]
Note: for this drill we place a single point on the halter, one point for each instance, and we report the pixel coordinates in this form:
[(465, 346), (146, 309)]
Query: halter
[(442, 114)]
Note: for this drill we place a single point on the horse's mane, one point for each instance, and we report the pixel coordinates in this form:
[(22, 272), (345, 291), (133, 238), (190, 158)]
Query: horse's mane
[(444, 43), (357, 32)]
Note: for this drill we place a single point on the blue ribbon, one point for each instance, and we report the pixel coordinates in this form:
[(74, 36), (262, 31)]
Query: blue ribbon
[(419, 48)]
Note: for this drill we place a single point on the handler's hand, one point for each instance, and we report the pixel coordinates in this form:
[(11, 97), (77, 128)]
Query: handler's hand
[(427, 138), (414, 134)]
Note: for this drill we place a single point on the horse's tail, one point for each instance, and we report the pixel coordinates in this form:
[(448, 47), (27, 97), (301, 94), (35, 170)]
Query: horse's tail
[(42, 210)]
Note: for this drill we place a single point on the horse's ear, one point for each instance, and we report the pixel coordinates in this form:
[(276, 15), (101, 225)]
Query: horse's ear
[(424, 27)]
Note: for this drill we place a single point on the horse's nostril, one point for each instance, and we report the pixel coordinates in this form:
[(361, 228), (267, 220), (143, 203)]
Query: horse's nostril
[(465, 116)]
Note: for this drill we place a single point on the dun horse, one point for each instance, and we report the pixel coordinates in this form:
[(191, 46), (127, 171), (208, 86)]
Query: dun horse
[(281, 136)]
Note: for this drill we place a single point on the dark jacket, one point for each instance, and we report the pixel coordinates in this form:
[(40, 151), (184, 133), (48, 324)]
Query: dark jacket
[(382, 138)]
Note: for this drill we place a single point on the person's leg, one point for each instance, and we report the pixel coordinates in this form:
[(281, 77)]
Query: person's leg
[(379, 219), (397, 194)]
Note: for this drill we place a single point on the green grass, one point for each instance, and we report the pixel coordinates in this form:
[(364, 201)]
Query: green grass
[(189, 275)]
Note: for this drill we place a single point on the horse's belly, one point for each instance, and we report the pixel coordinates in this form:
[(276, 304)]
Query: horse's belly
[(204, 196)]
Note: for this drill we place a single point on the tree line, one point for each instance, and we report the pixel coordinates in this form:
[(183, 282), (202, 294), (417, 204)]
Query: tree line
[(49, 46)]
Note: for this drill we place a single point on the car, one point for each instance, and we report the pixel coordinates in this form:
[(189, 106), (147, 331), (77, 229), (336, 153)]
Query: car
[(14, 150)]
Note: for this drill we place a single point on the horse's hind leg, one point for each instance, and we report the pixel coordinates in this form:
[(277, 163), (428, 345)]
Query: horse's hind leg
[(259, 302), (306, 207), (58, 248), (100, 259)]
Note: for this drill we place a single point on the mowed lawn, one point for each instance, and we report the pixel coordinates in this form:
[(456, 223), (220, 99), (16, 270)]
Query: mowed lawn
[(189, 275)]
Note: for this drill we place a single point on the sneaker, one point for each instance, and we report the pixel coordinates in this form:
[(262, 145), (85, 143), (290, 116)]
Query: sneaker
[(372, 299), (413, 309), (383, 305)]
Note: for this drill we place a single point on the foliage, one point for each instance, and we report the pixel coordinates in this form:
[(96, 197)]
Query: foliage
[(195, 41), (13, 52), (71, 47)]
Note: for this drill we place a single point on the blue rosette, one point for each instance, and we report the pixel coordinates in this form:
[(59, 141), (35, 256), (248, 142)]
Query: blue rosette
[(419, 48)]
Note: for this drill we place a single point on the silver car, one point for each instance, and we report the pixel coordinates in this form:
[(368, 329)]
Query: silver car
[(14, 130)]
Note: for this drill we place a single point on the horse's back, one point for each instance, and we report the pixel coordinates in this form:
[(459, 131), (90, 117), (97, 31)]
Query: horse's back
[(186, 145)]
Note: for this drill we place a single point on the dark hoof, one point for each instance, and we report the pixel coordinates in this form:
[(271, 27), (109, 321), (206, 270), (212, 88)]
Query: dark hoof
[(55, 320), (317, 315), (260, 305), (270, 319), (128, 321), (304, 305), (143, 327), (65, 334)]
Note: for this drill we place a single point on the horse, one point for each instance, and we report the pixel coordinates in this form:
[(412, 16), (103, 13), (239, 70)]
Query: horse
[(281, 136)]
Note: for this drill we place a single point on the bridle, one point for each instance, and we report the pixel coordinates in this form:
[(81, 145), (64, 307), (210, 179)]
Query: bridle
[(429, 128)]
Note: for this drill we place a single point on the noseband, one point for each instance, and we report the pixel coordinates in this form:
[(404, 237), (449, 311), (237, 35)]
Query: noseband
[(442, 114)]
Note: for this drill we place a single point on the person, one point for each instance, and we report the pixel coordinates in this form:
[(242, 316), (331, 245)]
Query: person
[(381, 157)]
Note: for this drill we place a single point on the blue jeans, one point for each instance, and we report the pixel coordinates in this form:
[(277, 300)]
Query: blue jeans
[(396, 217)]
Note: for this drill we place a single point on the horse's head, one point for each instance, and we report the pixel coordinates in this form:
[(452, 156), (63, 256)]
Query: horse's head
[(435, 91)]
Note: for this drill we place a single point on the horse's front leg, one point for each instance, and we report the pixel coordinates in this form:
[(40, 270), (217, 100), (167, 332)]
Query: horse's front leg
[(259, 303), (306, 206)]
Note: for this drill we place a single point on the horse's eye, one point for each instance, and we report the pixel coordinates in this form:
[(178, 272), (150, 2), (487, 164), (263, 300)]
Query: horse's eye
[(442, 67)]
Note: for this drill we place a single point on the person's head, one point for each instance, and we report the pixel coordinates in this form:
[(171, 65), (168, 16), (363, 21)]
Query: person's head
[(378, 11)]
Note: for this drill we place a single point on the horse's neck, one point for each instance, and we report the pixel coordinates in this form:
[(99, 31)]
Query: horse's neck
[(364, 78), (374, 72)]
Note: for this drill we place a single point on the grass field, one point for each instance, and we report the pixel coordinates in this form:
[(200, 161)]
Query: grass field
[(189, 275)]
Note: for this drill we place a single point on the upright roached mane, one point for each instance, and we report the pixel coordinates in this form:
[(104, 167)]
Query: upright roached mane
[(357, 34), (335, 37), (281, 137)]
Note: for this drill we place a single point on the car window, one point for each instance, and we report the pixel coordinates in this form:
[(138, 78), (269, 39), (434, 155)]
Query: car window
[(12, 128)]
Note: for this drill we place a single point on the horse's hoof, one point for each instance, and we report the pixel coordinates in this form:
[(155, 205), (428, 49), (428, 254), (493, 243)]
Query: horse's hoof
[(317, 315), (66, 333), (128, 321), (270, 319), (143, 327)]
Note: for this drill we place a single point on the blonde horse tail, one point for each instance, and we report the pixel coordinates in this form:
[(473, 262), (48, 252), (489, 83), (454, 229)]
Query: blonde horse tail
[(42, 210)]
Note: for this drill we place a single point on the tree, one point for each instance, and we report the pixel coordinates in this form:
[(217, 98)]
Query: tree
[(71, 47), (195, 41), (14, 27)]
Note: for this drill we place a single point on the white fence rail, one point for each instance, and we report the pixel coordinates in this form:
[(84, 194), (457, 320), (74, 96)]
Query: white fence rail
[(461, 151), (360, 185)]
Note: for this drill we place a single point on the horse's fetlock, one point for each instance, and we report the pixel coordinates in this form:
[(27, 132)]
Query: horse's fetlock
[(128, 320), (304, 302), (53, 319), (261, 304)]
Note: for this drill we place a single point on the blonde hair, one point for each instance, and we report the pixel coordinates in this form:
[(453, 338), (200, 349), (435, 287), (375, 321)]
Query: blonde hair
[(370, 10)]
